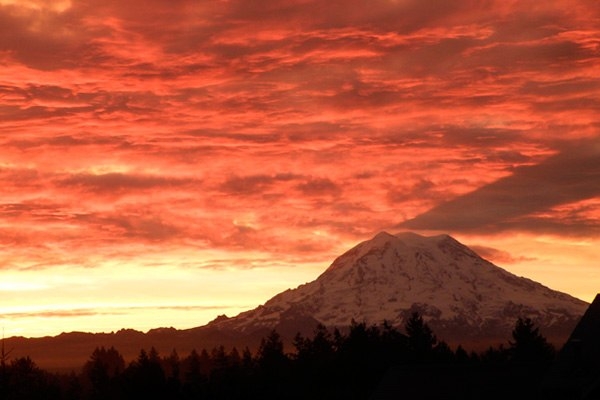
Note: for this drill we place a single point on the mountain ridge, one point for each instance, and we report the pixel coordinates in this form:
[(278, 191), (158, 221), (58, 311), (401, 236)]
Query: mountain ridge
[(464, 298)]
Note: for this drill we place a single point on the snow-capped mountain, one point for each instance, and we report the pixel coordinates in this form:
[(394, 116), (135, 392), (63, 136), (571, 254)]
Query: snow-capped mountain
[(464, 298), (460, 294)]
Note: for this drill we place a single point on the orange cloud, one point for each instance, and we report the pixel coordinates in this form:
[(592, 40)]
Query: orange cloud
[(285, 132)]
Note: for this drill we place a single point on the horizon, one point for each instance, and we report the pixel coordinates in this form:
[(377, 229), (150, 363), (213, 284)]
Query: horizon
[(163, 164), (156, 328)]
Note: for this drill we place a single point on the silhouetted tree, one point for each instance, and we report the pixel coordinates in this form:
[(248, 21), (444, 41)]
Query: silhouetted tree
[(270, 354), (420, 337), (144, 377), (71, 387), (247, 359), (27, 381), (219, 359), (172, 369), (528, 345), (346, 365), (273, 365), (363, 356), (495, 356), (318, 350), (314, 363), (228, 379), (394, 344), (172, 365), (194, 381), (206, 363), (102, 371), (461, 355), (441, 352), (234, 358)]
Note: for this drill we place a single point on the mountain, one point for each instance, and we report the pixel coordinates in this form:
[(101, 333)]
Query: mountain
[(462, 296), (464, 299)]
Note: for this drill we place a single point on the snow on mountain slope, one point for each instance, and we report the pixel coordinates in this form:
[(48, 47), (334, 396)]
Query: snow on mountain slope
[(391, 276)]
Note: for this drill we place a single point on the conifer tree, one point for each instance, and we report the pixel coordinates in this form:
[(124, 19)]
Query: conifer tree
[(420, 337), (528, 345)]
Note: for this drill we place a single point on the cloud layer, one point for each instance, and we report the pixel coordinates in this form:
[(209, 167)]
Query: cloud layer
[(521, 201), (285, 131)]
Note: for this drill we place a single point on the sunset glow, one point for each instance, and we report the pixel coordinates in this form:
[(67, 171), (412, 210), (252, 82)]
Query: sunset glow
[(165, 162)]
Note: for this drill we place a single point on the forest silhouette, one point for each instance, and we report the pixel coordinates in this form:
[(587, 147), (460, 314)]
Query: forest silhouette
[(376, 362)]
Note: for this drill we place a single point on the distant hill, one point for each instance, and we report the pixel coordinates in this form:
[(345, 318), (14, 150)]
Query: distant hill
[(464, 298)]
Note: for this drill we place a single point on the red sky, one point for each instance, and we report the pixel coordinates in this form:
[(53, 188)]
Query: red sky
[(163, 162)]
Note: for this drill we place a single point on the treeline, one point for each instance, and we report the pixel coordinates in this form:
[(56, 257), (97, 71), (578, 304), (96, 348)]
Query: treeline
[(328, 365)]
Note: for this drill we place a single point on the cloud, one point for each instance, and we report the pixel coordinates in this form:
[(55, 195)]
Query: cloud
[(236, 124), (53, 314), (31, 37), (112, 183), (236, 134), (498, 256), (319, 187), (91, 312), (129, 224), (254, 184), (509, 203), (424, 189)]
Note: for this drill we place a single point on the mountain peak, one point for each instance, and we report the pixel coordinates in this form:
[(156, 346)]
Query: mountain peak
[(397, 246), (390, 276), (412, 239), (406, 236)]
